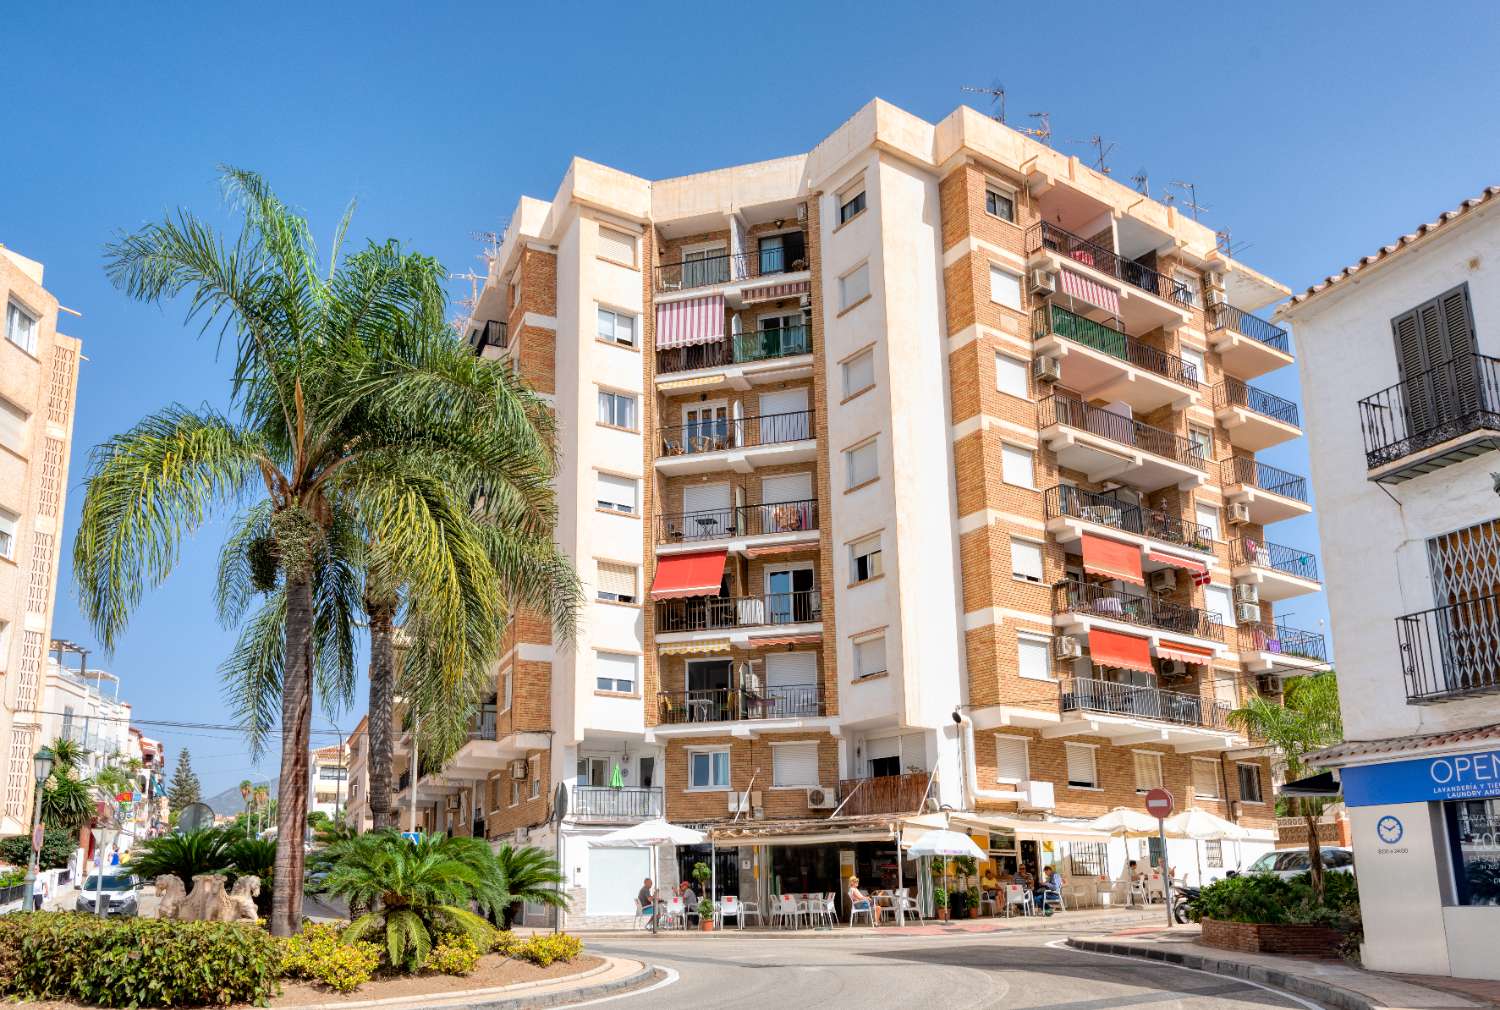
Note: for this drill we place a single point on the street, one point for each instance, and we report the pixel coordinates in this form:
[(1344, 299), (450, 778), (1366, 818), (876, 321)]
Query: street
[(1022, 969)]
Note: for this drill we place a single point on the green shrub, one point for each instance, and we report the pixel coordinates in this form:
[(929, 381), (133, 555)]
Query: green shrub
[(545, 948), (1266, 898), (319, 954), (58, 846), (454, 955), (136, 962), (506, 943)]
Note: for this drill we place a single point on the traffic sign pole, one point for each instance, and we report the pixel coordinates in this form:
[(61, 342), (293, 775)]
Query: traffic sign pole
[(1159, 804)]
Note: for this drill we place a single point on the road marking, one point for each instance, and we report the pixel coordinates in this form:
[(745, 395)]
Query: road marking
[(1063, 945), (671, 978)]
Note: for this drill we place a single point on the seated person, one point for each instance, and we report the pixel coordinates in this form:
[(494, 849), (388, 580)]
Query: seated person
[(988, 881), (1051, 884), (689, 901), (1023, 877), (859, 901), (646, 898)]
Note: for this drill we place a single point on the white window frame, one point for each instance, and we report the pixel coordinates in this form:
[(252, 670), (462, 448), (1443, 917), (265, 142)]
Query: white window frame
[(1036, 640), (634, 241), (9, 523), (1017, 370), (846, 368), (16, 308), (635, 676), (1208, 439), (846, 195), (1025, 743), (871, 547), (1215, 528), (507, 690), (1093, 752), (851, 479), (1199, 360), (617, 395), (711, 753), (616, 317), (1018, 450), (778, 748), (1005, 193), (846, 301), (866, 641), (618, 507), (22, 425), (999, 294), (1029, 545), (610, 597), (1135, 770)]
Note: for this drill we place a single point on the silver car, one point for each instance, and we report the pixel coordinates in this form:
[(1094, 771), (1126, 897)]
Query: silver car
[(1288, 863), (121, 894)]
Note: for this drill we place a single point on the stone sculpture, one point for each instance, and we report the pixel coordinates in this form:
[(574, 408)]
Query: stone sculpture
[(208, 902)]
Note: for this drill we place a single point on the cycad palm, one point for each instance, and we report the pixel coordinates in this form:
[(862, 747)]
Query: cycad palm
[(529, 875)]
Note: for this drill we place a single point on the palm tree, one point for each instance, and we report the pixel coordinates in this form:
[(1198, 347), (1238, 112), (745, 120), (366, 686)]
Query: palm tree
[(1307, 720), (184, 856), (528, 875), (67, 798)]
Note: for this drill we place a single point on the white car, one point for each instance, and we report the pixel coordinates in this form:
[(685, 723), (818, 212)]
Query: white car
[(1288, 863), (121, 896)]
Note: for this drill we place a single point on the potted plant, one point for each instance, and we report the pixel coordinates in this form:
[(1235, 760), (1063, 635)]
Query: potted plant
[(973, 902), (705, 914), (701, 875), (940, 902)]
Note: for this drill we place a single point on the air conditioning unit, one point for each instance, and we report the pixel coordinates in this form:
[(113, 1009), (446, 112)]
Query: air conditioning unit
[(1239, 513), (1268, 683), (1036, 795), (1246, 592), (1247, 613), (1174, 668), (1041, 282), (741, 803), (819, 798), (1067, 647), (518, 769), (1046, 369), (1164, 580)]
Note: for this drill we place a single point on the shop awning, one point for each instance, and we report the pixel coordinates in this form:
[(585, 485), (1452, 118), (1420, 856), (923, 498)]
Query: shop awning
[(1021, 826), (1186, 564), (689, 322), (680, 575), (1185, 653), (695, 648), (1112, 559), (1111, 648)]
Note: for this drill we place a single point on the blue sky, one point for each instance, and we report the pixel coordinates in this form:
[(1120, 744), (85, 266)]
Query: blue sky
[(1316, 132)]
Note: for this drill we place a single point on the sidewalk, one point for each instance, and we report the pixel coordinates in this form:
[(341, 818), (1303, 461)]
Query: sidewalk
[(1331, 983)]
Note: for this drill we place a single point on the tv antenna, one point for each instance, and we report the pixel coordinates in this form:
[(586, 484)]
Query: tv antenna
[(1101, 148), (1142, 183), (1226, 246), (1041, 131), (997, 98), (1191, 189)]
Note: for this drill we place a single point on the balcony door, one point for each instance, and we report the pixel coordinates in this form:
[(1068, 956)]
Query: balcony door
[(790, 595), (787, 502), (783, 416), (775, 334), (792, 683), (1435, 349), (701, 267), (705, 426), (707, 511), (708, 694), (780, 253)]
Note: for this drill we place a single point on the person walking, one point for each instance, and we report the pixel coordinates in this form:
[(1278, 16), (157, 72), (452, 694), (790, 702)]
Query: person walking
[(39, 896)]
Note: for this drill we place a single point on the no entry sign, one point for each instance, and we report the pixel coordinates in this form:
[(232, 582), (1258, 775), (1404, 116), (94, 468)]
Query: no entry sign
[(1159, 803)]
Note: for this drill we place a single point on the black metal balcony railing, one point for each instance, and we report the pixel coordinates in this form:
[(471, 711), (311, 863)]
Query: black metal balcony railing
[(1223, 316), (737, 349), (1451, 651), (712, 613), (716, 435), (884, 794), (1245, 551), (739, 521), (1051, 318), (736, 704), (721, 268), (1082, 694), (1432, 407), (601, 803), (491, 333), (1236, 393), (1064, 408), (1261, 637), (1247, 470), (1107, 261), (1073, 596), (1107, 510)]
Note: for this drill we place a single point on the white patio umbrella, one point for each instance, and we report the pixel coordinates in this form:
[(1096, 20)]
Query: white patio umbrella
[(1127, 822), (1202, 826), (946, 844), (650, 834)]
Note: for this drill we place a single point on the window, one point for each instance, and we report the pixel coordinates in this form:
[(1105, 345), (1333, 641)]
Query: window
[(1147, 770), (708, 769), (851, 204), (1249, 776), (864, 559), (1026, 560), (861, 464), (616, 327), (1010, 376), (869, 656), (617, 409), (1429, 337), (1082, 773), (1208, 516), (1000, 204), (1194, 359), (794, 765), (1015, 466), (859, 373), (5, 650), (1202, 441), (1033, 657), (505, 692), (536, 777), (20, 327), (593, 771), (614, 671), (1471, 840), (1188, 283), (12, 426), (515, 792), (1012, 758), (8, 534), (615, 494), (1213, 854), (1205, 779), (616, 582), (1005, 288), (854, 286), (617, 245), (1217, 602)]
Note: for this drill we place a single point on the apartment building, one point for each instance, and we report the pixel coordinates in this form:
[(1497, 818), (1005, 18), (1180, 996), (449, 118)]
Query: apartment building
[(38, 383), (83, 705), (327, 778), (1406, 343), (357, 801), (913, 473)]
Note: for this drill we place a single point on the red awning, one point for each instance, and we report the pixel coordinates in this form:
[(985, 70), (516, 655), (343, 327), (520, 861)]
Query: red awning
[(679, 575), (1185, 653), (1111, 648), (1171, 559), (1112, 559)]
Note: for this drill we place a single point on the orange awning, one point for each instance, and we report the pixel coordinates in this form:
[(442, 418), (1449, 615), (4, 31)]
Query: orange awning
[(679, 575), (1112, 559), (1111, 648), (770, 549), (1161, 557), (786, 640), (1186, 653)]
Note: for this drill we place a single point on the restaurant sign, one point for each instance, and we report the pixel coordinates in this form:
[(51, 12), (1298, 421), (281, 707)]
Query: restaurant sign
[(1423, 780)]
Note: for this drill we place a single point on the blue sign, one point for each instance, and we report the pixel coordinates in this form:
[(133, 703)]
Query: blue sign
[(1423, 780), (1389, 829)]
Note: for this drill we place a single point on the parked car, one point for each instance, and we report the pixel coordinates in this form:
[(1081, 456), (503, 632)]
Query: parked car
[(1288, 863), (121, 894)]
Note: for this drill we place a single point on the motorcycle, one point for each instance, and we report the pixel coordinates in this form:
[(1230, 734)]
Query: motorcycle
[(1184, 903)]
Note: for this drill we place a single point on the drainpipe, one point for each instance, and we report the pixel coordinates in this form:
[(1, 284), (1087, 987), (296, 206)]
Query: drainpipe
[(972, 792)]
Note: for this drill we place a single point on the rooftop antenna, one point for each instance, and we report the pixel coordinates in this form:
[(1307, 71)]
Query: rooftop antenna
[(996, 92), (1101, 147), (1041, 132), (1227, 246), (1142, 183), (1191, 188)]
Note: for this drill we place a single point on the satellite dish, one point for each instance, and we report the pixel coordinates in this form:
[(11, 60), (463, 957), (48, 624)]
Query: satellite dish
[(195, 817)]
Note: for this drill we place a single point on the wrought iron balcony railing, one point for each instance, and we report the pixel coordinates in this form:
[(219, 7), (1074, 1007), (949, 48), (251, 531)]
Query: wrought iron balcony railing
[(1223, 316), (737, 521), (1432, 407), (1107, 510), (1073, 596), (1451, 651), (736, 704), (1236, 393), (1262, 637), (712, 613), (718, 434), (1247, 551), (1084, 694), (1050, 319), (1246, 470), (722, 268), (1091, 254), (602, 803), (737, 349), (1065, 408)]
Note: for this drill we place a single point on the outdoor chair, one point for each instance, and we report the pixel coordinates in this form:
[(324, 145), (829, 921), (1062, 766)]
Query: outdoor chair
[(1016, 896), (729, 907), (863, 906), (785, 910), (642, 918), (908, 905), (1052, 899), (823, 907), (675, 912), (751, 910), (1138, 892)]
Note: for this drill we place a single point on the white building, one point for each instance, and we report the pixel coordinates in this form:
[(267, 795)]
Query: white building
[(328, 776), (1399, 360), (85, 707)]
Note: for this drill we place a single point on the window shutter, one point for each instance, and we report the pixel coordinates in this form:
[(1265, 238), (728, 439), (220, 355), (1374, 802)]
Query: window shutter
[(617, 246), (1147, 770), (1205, 779), (12, 426), (795, 764), (619, 491), (615, 665), (1026, 559), (1459, 348), (1011, 760), (616, 579), (1080, 765)]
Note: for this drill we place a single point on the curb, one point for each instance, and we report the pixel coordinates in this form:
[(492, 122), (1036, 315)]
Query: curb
[(646, 976), (450, 997), (1321, 992)]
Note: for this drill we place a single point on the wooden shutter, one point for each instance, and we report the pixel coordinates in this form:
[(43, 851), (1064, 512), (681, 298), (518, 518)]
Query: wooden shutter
[(1147, 770), (1460, 347)]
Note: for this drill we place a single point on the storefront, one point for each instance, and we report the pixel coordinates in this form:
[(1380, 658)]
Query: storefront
[(812, 856)]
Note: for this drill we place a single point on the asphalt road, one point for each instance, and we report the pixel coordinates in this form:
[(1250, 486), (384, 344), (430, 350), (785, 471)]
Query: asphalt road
[(974, 972)]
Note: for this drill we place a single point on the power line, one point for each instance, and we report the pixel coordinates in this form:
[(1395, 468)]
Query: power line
[(173, 724)]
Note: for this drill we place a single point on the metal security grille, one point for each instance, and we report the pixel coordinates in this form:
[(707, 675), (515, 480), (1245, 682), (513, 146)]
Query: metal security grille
[(1465, 564), (1454, 648)]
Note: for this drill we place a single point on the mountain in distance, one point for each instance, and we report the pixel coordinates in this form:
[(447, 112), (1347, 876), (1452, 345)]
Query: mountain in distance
[(230, 802)]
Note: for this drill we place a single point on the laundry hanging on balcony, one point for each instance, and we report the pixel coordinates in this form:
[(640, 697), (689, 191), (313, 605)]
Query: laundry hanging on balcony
[(682, 575), (1185, 654), (1091, 291), (1112, 559), (1111, 648), (1198, 569), (690, 322)]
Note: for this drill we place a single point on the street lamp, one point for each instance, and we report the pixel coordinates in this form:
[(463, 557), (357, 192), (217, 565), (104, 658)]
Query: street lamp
[(42, 763)]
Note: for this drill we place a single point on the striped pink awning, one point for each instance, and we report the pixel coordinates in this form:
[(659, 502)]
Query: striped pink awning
[(771, 292), (1091, 291), (694, 321)]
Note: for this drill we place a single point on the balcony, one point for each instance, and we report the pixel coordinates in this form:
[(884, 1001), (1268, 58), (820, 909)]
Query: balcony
[(1248, 346), (602, 804), (1254, 418), (1434, 419), (1278, 646), (492, 335), (1103, 363), (733, 704), (1082, 694), (1141, 297), (738, 349), (1451, 652), (726, 613), (774, 522), (727, 268), (1280, 572), (1109, 446), (1271, 494), (1065, 503), (741, 443), (884, 794), (1091, 600)]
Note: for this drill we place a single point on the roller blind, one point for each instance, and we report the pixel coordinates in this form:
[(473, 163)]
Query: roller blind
[(1081, 766), (1206, 780), (1147, 771), (614, 492), (12, 426), (794, 764), (1012, 762), (617, 246), (617, 579)]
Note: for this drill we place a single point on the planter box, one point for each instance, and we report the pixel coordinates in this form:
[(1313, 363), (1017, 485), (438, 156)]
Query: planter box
[(1266, 938)]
